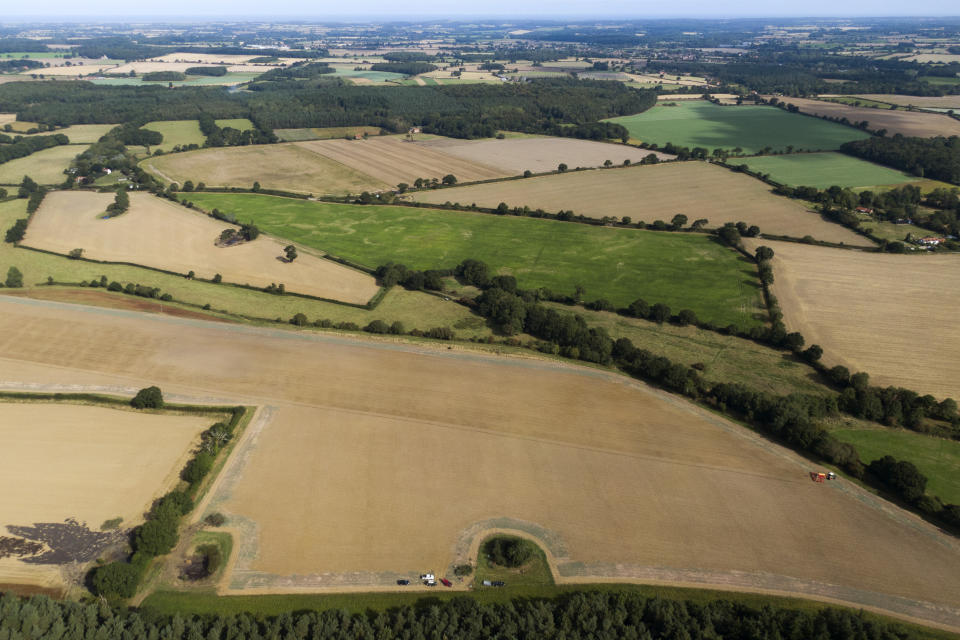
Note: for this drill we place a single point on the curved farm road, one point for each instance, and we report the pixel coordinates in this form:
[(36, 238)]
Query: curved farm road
[(374, 460)]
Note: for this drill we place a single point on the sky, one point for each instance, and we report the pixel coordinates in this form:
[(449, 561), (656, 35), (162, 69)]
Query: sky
[(509, 9)]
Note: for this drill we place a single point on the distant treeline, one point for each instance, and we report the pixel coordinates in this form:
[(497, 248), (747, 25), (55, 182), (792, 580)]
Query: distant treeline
[(406, 68), (297, 71), (593, 615), (16, 65), (467, 111), (206, 71), (937, 158)]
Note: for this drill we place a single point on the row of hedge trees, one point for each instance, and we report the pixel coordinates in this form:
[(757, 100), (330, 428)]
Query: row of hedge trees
[(572, 616), (159, 534)]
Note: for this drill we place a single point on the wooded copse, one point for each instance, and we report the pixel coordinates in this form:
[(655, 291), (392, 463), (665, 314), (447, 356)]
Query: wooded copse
[(24, 146), (937, 158)]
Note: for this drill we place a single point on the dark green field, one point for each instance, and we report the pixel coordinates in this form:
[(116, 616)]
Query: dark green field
[(697, 123), (682, 270)]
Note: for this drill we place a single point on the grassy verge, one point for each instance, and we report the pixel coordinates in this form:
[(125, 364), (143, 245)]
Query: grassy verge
[(682, 270)]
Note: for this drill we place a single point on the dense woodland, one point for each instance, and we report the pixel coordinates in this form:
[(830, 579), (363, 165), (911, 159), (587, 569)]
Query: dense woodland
[(24, 146), (937, 158), (593, 615), (458, 111)]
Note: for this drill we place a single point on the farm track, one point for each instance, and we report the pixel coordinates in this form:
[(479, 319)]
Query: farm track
[(687, 471)]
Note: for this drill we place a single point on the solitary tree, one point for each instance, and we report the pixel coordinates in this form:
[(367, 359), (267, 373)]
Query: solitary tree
[(14, 278), (678, 221), (450, 179), (561, 167), (291, 252), (148, 398)]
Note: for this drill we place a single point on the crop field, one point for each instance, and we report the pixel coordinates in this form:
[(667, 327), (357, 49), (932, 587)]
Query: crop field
[(84, 133), (616, 480), (908, 123), (414, 309), (288, 167), (157, 233), (323, 133), (935, 102), (681, 270), (392, 160), (938, 459), (45, 167), (697, 123), (177, 132), (850, 303), (517, 155), (824, 170), (655, 192), (243, 124), (63, 72), (95, 464)]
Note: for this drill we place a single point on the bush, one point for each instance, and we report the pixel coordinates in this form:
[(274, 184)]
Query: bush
[(508, 551), (148, 398), (116, 580), (462, 570), (216, 519), (212, 559), (14, 278), (156, 537), (199, 467)]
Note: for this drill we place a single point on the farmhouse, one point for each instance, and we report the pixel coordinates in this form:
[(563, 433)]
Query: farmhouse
[(864, 210), (930, 241)]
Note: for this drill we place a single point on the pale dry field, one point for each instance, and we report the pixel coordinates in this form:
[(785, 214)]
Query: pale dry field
[(158, 233), (652, 192), (276, 166), (892, 316), (147, 66), (392, 160), (203, 58), (908, 123), (87, 463), (517, 155), (74, 70), (7, 118), (934, 102), (409, 447)]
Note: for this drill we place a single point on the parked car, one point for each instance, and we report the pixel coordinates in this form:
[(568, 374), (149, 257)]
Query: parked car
[(499, 583), (431, 583), (427, 577), (446, 582), (487, 583), (403, 583)]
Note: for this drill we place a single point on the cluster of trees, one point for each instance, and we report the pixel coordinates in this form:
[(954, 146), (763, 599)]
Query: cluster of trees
[(120, 204), (408, 56), (937, 158), (298, 71), (17, 231), (572, 616), (148, 398), (377, 327), (508, 551), (391, 274), (903, 479), (131, 134), (14, 278), (206, 71), (406, 68), (17, 65), (33, 192), (164, 76), (159, 534), (218, 136), (23, 146), (893, 406)]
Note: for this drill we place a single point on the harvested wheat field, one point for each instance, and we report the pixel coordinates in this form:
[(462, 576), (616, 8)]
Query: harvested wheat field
[(66, 469), (908, 123), (926, 102), (892, 316), (287, 167), (517, 155), (393, 160), (46, 166), (655, 192), (72, 71), (354, 474), (157, 233)]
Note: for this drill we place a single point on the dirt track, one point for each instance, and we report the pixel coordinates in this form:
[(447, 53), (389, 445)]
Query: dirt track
[(377, 457)]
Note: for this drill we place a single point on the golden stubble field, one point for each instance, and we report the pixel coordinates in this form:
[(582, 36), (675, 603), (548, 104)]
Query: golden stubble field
[(393, 160), (276, 166), (376, 458), (517, 155), (87, 463), (45, 167), (157, 233), (655, 192), (908, 123), (893, 316)]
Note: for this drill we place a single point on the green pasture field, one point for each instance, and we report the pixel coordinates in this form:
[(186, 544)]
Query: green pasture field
[(682, 270), (241, 124), (229, 79), (177, 132), (723, 357), (893, 232), (824, 170), (45, 167), (938, 459), (323, 133), (415, 309), (372, 76), (207, 602), (698, 123), (858, 102), (939, 80)]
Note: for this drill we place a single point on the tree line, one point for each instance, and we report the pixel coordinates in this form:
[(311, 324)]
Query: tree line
[(937, 158), (22, 146), (581, 614)]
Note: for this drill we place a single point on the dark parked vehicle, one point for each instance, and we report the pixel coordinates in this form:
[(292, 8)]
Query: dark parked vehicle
[(403, 583), (499, 583)]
